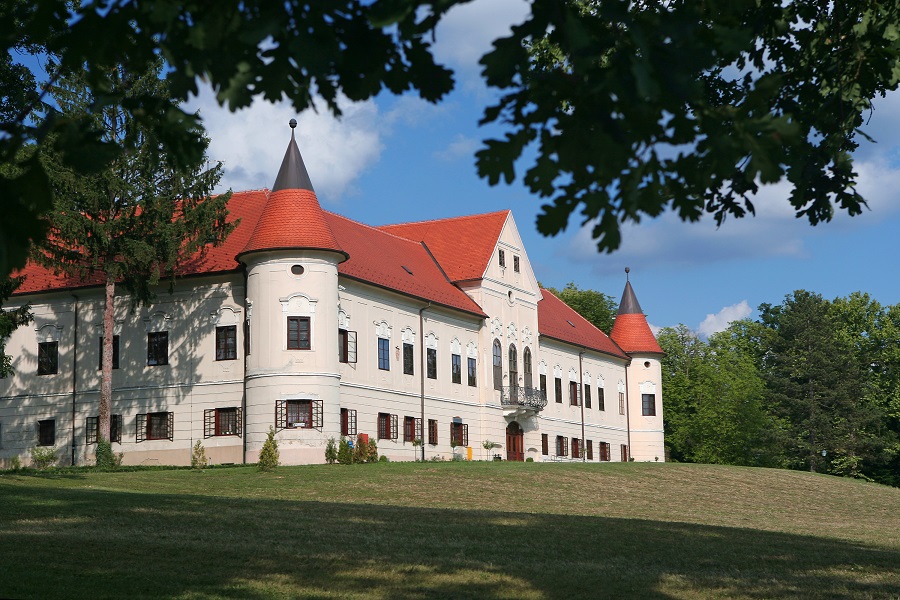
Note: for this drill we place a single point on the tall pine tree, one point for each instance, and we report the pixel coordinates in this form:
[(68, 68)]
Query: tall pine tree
[(138, 219)]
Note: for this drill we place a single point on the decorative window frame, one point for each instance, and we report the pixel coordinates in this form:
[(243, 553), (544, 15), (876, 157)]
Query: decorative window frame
[(298, 305)]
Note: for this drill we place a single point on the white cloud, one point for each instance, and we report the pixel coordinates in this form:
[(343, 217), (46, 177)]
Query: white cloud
[(460, 147), (252, 141), (713, 323)]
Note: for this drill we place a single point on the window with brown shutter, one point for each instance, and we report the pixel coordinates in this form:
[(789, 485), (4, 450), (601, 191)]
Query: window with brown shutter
[(545, 444)]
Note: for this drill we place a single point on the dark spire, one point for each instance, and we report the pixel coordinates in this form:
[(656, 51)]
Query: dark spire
[(292, 175), (629, 304)]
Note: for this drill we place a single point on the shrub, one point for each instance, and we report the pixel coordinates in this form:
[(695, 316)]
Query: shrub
[(105, 458), (43, 457), (372, 455), (268, 456), (15, 464), (331, 451), (529, 459), (198, 456), (383, 458), (345, 452)]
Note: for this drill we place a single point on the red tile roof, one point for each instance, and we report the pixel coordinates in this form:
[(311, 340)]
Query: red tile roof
[(462, 245), (632, 333), (292, 219), (559, 321)]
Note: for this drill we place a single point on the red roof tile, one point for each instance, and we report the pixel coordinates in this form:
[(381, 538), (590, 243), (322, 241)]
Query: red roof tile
[(462, 245), (632, 333), (559, 321)]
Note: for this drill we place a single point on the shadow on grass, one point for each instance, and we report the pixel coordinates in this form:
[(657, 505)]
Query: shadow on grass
[(90, 543)]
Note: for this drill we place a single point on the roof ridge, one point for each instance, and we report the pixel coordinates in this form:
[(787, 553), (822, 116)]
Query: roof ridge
[(448, 219)]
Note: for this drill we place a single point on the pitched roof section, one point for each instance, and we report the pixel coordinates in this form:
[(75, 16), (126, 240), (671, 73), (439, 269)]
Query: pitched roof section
[(396, 263), (631, 330), (559, 321), (462, 245)]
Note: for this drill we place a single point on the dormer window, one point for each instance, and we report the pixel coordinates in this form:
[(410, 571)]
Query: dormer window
[(502, 256), (515, 263)]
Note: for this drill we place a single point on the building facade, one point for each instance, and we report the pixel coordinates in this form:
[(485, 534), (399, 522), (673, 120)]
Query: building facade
[(429, 337)]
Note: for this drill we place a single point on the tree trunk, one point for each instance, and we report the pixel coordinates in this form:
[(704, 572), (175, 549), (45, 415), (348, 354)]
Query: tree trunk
[(107, 361)]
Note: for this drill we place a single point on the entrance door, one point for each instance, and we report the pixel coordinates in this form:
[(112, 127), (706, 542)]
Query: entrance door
[(515, 442)]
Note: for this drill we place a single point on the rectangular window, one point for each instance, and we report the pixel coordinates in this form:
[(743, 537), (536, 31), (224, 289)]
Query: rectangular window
[(573, 393), (600, 401), (226, 342), (515, 263), (587, 396), (459, 434), (562, 445), (431, 360), (48, 358), (624, 453), (558, 389), (298, 414), (544, 385), (157, 348), (545, 444), (346, 346), (46, 431), (222, 421), (604, 451), (621, 403), (387, 426), (576, 448), (115, 353), (92, 429), (501, 255), (409, 429), (384, 354), (298, 333), (348, 421), (472, 372), (154, 426), (456, 368), (590, 450), (432, 432), (408, 360), (648, 405)]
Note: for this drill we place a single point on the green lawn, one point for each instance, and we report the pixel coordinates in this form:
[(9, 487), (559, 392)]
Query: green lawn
[(449, 530)]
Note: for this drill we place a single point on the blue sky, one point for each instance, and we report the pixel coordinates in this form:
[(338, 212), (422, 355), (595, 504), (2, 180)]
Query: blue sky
[(398, 159)]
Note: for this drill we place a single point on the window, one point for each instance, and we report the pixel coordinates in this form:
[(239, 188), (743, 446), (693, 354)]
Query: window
[(502, 257), (526, 360), (587, 396), (412, 429), (384, 354), (226, 342), (573, 393), (298, 333), (222, 421), (46, 430), (348, 421), (621, 403), (346, 346), (472, 372), (558, 389), (408, 359), (92, 429), (498, 365), (590, 450), (543, 379), (515, 263), (48, 358), (154, 426), (600, 401), (298, 414), (459, 434), (624, 453), (562, 445), (387, 426), (432, 432), (604, 451), (576, 448), (513, 366), (648, 405), (545, 444), (115, 353), (456, 368), (431, 360), (157, 348)]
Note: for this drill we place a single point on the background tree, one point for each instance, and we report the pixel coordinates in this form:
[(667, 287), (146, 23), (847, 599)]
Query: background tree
[(596, 307), (136, 220), (640, 107)]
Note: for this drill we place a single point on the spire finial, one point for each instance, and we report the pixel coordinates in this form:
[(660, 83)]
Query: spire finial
[(292, 123), (627, 271)]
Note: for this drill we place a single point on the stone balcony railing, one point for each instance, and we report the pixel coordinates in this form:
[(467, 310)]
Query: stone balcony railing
[(522, 399)]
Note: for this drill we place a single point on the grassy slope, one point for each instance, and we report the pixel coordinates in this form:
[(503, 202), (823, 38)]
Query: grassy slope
[(488, 530)]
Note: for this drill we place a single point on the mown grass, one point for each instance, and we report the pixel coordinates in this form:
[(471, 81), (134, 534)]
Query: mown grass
[(449, 530)]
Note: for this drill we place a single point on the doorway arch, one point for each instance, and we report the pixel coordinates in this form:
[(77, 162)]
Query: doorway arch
[(515, 442)]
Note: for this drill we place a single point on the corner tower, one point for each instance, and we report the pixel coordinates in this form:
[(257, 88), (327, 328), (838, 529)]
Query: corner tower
[(291, 378), (643, 378)]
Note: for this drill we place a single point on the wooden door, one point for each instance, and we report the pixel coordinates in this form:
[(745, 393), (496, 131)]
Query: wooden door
[(515, 442)]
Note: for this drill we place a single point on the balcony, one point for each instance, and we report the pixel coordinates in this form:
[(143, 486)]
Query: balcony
[(522, 400)]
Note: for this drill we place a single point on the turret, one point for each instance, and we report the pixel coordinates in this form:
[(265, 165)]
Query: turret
[(292, 378)]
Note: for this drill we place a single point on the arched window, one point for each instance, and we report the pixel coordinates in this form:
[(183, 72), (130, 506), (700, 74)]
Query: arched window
[(498, 365), (526, 358), (513, 366)]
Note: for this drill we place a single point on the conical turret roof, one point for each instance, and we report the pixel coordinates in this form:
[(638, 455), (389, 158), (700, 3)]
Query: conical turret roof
[(292, 218), (631, 330)]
